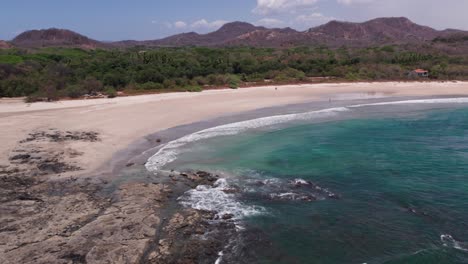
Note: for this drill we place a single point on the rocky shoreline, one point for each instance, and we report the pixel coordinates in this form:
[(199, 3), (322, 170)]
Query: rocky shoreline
[(48, 215)]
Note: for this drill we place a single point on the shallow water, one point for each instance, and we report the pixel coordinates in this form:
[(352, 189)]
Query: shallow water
[(379, 187)]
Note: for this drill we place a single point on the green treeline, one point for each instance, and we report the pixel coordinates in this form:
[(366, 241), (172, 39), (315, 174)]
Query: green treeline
[(52, 73)]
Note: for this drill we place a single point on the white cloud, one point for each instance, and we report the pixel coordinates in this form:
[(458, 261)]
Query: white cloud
[(180, 24), (312, 19), (205, 24), (265, 7), (300, 14), (201, 24), (270, 22), (352, 2)]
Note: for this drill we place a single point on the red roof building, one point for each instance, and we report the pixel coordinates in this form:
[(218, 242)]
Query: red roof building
[(419, 73)]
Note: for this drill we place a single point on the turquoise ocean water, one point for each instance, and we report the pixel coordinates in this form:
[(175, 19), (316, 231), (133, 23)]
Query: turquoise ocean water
[(385, 188)]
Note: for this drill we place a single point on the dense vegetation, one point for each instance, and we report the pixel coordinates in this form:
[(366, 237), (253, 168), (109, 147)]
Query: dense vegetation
[(52, 73)]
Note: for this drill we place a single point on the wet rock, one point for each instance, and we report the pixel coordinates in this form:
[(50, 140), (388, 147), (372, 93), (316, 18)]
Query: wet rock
[(200, 177), (75, 258), (300, 183), (203, 174), (58, 136), (21, 157), (56, 167), (227, 216), (190, 238), (231, 190), (320, 191), (334, 196)]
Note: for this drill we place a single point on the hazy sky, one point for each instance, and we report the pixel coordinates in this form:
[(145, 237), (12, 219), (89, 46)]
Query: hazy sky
[(151, 19)]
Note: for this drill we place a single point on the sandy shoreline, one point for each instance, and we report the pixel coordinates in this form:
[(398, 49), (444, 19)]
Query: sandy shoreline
[(58, 204), (121, 121)]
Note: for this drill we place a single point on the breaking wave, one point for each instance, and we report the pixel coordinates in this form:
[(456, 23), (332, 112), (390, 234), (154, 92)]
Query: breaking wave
[(460, 100), (168, 153), (219, 199)]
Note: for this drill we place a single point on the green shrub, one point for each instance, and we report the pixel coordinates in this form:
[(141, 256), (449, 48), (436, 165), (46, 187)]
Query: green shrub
[(181, 82), (288, 75), (110, 92), (74, 91), (388, 49), (217, 79), (10, 59), (234, 81), (352, 76), (91, 85), (199, 80), (193, 88), (150, 86), (169, 84), (35, 97), (255, 77)]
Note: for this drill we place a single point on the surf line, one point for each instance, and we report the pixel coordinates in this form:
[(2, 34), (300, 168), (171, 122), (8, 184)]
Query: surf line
[(168, 152)]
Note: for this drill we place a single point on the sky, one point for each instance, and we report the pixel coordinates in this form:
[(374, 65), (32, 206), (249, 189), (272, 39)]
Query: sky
[(110, 20)]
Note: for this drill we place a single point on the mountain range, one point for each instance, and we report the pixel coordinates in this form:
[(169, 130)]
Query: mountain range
[(390, 30)]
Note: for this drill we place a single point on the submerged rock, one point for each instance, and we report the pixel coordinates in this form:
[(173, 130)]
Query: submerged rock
[(292, 197), (227, 216)]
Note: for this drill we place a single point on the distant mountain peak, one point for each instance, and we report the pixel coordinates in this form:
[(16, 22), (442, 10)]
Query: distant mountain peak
[(4, 45), (391, 19), (236, 25), (375, 31), (53, 37), (234, 29)]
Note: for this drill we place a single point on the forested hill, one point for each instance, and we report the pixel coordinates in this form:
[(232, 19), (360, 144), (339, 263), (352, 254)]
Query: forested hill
[(56, 63), (52, 73)]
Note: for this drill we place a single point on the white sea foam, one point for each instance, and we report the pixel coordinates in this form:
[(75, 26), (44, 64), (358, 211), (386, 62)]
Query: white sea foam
[(169, 152), (459, 100), (290, 196), (271, 181), (220, 257), (300, 182), (216, 199), (449, 241)]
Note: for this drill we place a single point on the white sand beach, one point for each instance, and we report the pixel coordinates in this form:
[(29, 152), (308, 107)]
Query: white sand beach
[(121, 121)]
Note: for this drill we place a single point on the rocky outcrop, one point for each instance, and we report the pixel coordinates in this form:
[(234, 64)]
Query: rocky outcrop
[(45, 218)]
